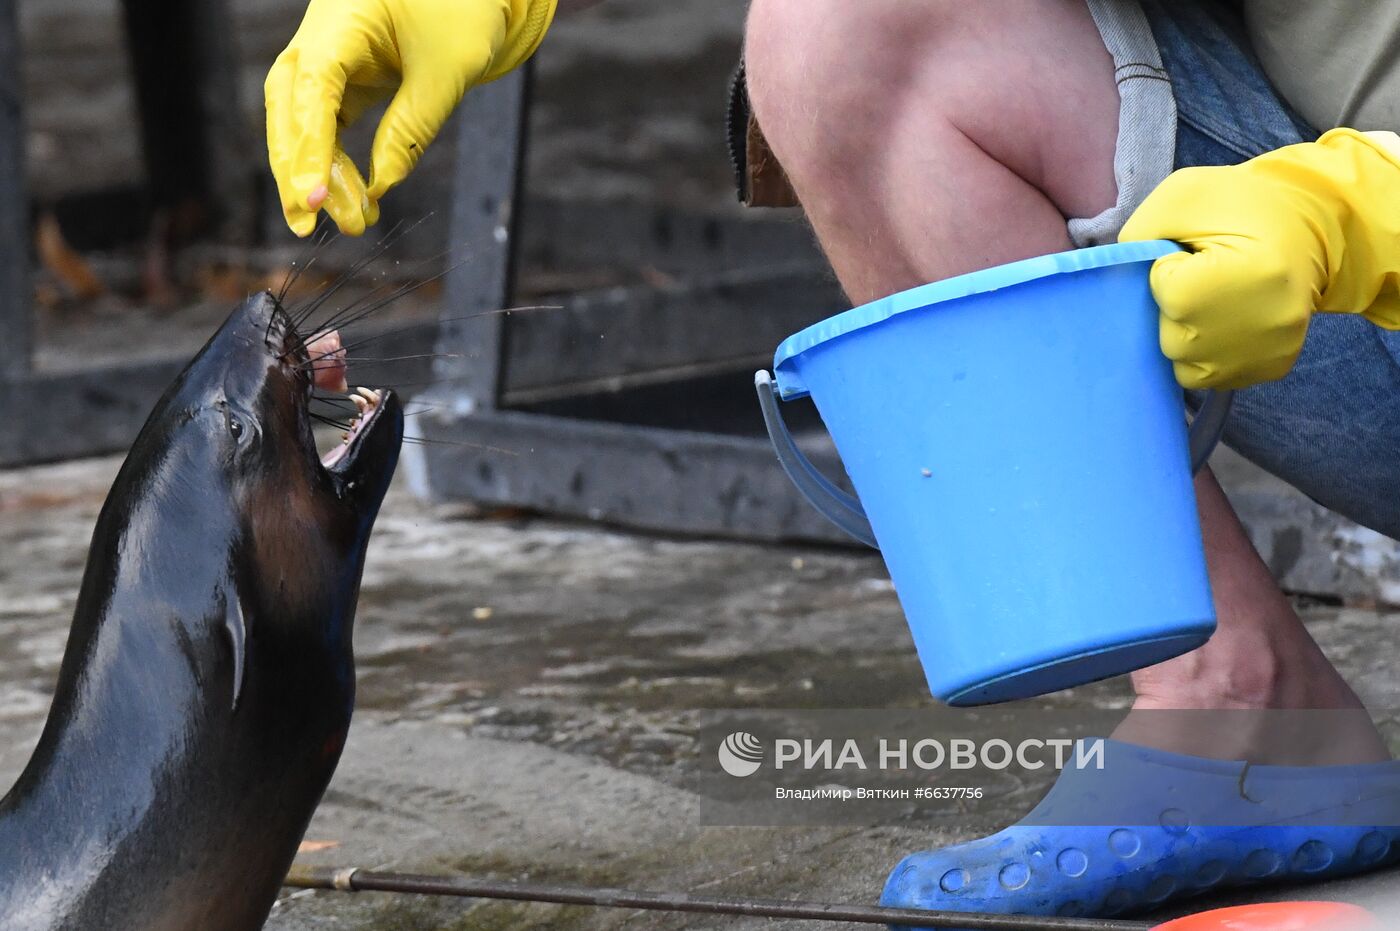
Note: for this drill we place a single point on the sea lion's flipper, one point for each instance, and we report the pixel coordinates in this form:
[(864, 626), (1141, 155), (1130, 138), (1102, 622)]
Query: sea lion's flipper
[(237, 630)]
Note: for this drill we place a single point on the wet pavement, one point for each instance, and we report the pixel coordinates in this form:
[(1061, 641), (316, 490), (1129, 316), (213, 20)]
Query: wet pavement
[(530, 695)]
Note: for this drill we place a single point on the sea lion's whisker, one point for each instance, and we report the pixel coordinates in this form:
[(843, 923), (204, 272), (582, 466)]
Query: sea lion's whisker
[(397, 232), (483, 313), (331, 421), (329, 324), (416, 440), (304, 260), (424, 441), (301, 314), (340, 314), (304, 311), (343, 350), (340, 317), (320, 236), (341, 400), (507, 311), (312, 337), (382, 359), (340, 320), (430, 383)]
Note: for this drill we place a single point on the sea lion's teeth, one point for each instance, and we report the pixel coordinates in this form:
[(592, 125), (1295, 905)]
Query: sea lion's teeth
[(345, 437), (378, 395), (360, 402), (370, 396)]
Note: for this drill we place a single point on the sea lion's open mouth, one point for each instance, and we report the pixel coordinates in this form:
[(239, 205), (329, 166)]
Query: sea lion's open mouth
[(369, 403), (324, 362)]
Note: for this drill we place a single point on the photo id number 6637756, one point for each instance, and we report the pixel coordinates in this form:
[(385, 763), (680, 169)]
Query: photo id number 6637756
[(948, 792)]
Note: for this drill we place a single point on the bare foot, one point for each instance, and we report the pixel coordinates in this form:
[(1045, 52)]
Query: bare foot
[(1310, 717), (1261, 689)]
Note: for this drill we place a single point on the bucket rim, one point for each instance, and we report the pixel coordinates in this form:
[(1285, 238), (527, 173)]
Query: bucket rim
[(789, 382)]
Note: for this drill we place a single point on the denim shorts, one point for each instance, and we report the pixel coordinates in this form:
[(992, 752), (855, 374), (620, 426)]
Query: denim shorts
[(1191, 86)]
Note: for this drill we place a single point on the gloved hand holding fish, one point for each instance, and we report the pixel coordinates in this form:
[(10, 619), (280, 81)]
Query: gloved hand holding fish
[(351, 54)]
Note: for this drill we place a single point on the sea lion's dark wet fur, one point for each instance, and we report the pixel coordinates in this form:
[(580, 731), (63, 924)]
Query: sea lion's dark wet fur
[(165, 793)]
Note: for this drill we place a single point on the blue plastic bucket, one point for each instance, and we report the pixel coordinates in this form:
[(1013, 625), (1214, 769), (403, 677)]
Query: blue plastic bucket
[(1018, 445)]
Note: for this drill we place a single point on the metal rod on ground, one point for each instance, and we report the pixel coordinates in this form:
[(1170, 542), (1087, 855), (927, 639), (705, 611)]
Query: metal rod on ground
[(355, 880)]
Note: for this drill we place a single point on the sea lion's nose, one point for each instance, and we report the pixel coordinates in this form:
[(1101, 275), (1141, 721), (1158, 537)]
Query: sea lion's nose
[(257, 335), (263, 317), (261, 310)]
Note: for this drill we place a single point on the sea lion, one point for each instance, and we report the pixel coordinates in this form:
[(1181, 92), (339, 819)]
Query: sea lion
[(207, 684)]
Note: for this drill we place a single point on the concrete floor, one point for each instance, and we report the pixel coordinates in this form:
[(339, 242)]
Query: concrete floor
[(530, 695)]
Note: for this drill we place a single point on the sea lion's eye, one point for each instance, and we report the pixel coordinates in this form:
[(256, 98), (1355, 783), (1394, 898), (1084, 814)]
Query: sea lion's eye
[(235, 426)]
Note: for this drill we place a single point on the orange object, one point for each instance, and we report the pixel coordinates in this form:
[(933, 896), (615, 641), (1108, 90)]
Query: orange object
[(64, 262), (1278, 916)]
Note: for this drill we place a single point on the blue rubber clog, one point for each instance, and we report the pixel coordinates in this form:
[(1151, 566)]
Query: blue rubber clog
[(1151, 827)]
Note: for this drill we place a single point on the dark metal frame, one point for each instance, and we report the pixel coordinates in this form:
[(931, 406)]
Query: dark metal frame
[(658, 428)]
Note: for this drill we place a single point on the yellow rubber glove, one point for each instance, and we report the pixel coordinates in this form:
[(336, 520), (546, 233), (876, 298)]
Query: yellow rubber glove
[(1309, 227), (350, 54)]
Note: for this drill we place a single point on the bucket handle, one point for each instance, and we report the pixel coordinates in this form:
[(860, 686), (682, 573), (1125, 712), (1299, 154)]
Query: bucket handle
[(1208, 425), (844, 510), (835, 505)]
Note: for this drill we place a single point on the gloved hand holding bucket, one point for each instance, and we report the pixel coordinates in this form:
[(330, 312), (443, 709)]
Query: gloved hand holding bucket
[(1015, 435)]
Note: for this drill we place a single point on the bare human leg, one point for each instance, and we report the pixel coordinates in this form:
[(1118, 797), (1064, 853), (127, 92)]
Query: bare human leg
[(928, 138)]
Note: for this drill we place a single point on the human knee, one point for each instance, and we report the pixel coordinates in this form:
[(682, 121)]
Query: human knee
[(823, 74), (838, 86)]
